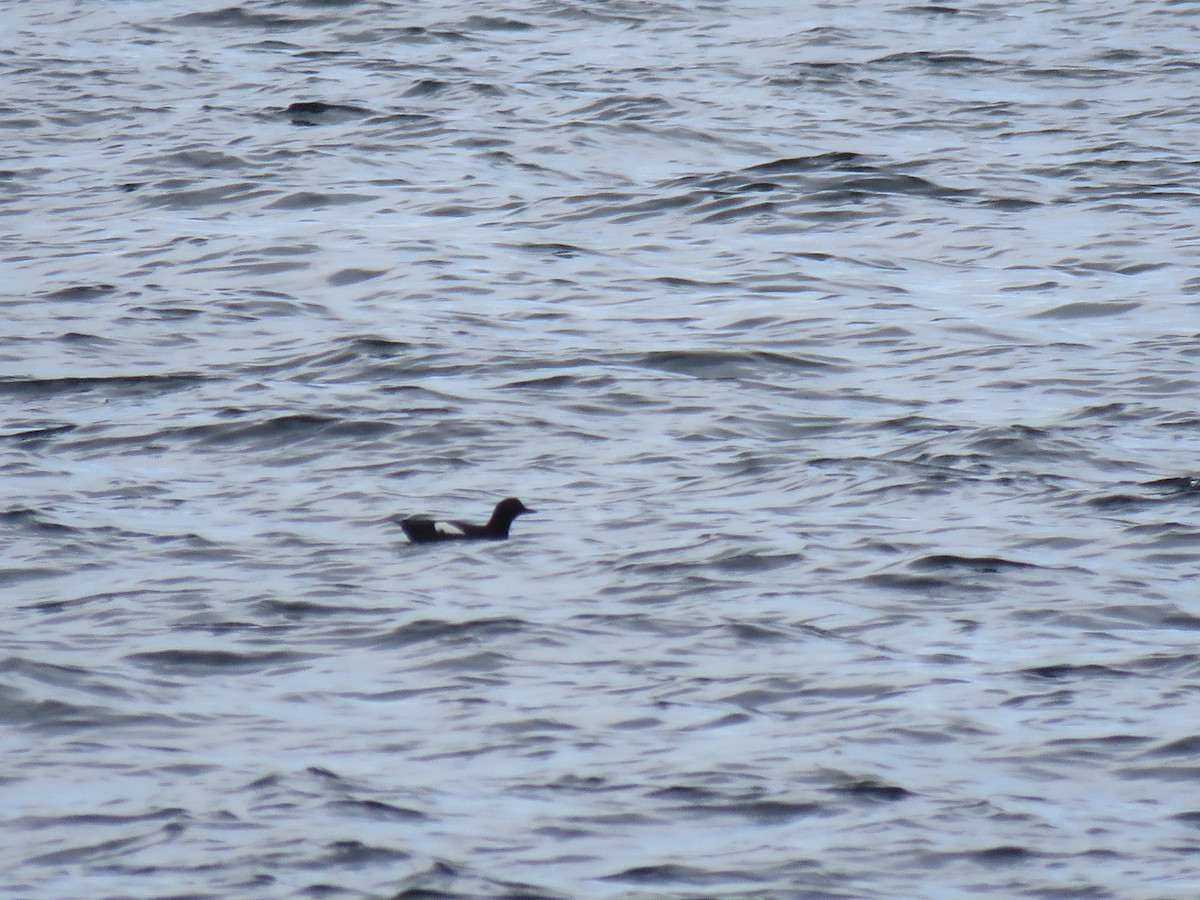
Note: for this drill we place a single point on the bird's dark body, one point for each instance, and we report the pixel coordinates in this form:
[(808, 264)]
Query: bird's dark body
[(424, 530)]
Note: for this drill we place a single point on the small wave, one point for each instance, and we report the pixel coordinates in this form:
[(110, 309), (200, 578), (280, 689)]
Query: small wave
[(751, 633), (868, 789), (20, 709), (952, 62), (820, 161), (762, 812), (1004, 855), (295, 427), (733, 211), (493, 23), (1185, 746), (203, 160), (78, 293), (682, 875), (238, 17), (979, 564), (1162, 490), (936, 9), (319, 200), (470, 663), (378, 811), (14, 575), (623, 107), (301, 610), (446, 633), (562, 251), (344, 277), (426, 87), (900, 582), (749, 561), (898, 183), (1087, 310), (173, 195), (1066, 671), (122, 385), (357, 855), (214, 662), (33, 520), (728, 364), (169, 813)]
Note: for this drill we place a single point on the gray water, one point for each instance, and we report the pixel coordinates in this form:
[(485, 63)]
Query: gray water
[(847, 351)]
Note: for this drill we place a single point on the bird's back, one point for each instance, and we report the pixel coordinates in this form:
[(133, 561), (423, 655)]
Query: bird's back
[(423, 530), (420, 530)]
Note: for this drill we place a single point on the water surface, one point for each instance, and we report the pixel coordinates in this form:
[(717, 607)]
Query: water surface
[(848, 353)]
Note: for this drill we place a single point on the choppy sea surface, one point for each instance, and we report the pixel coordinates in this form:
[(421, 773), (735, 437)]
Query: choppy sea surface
[(847, 351)]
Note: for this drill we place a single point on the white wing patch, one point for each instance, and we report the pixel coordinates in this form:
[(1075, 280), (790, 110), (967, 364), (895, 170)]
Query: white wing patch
[(448, 528)]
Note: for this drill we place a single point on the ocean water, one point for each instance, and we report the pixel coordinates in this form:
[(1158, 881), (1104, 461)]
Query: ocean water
[(848, 353)]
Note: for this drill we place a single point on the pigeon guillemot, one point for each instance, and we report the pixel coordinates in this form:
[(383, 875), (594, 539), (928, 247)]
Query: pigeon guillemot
[(424, 530)]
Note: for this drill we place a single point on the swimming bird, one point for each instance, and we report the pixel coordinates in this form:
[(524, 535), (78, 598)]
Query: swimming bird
[(424, 530)]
